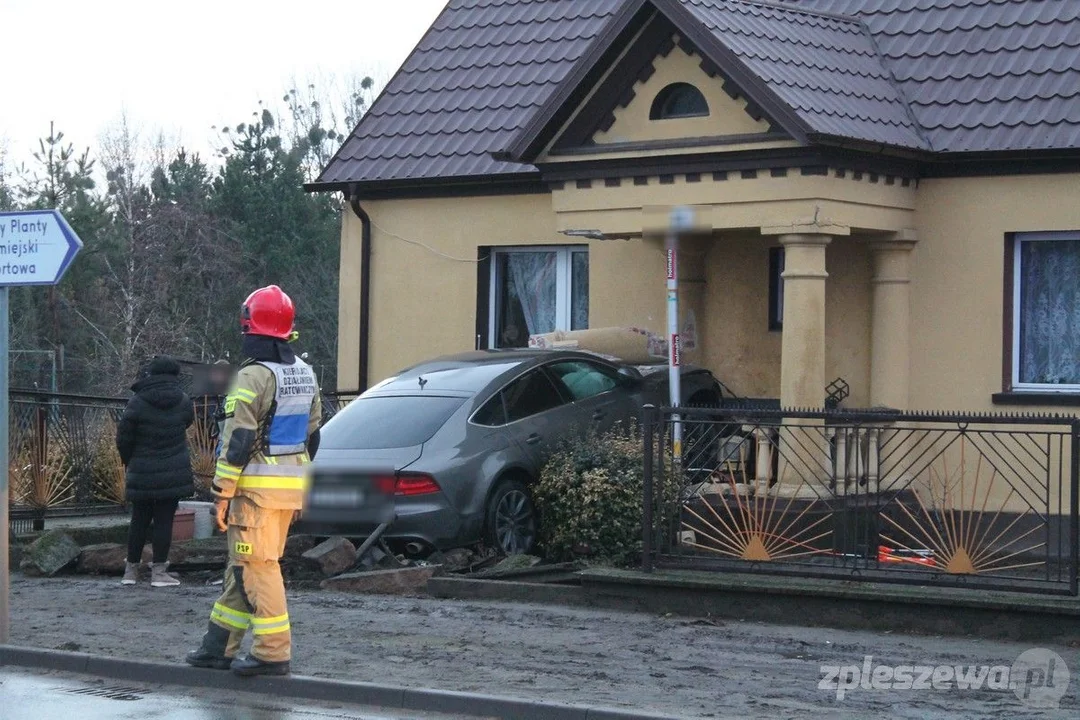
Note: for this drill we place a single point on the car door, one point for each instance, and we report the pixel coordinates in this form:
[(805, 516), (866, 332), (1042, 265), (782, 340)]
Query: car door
[(538, 415), (600, 396)]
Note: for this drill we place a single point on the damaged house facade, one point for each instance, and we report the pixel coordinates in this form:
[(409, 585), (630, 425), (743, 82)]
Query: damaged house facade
[(884, 191)]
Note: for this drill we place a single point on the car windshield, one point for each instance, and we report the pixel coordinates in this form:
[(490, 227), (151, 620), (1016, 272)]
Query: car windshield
[(387, 422)]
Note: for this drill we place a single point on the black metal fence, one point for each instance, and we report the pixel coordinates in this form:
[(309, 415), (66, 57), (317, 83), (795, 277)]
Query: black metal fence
[(63, 457), (979, 501)]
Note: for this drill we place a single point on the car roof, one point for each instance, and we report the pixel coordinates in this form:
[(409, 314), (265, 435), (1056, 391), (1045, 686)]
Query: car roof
[(472, 371)]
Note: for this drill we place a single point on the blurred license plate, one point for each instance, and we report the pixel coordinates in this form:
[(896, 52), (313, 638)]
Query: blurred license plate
[(337, 496)]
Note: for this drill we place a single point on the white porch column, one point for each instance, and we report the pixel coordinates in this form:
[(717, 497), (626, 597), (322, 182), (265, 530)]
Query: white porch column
[(802, 358), (890, 358), (805, 461)]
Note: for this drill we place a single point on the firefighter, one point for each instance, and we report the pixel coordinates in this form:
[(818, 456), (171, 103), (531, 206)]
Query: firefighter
[(270, 434)]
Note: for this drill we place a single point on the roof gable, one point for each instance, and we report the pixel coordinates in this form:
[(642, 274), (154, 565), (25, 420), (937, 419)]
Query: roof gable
[(813, 74), (616, 109), (631, 122)]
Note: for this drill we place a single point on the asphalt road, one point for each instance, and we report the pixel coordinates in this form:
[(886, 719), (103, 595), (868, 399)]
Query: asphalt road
[(700, 668), (31, 695)]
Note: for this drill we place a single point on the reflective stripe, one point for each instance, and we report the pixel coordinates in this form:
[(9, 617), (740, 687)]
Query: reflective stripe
[(273, 470), (271, 461), (230, 472), (246, 394), (271, 482), (271, 625), (232, 618)]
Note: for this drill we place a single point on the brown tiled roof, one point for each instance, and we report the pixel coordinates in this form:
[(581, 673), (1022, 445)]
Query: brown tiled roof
[(927, 75), (980, 75), (824, 67), (473, 80)]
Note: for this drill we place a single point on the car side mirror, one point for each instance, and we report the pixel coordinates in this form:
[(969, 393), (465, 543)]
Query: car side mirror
[(630, 376)]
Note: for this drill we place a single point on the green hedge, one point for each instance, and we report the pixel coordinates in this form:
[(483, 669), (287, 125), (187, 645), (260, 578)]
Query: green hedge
[(590, 498)]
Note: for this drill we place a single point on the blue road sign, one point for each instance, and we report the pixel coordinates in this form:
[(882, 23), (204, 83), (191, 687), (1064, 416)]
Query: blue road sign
[(36, 247)]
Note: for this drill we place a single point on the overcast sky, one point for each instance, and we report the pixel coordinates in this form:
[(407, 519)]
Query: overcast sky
[(184, 66)]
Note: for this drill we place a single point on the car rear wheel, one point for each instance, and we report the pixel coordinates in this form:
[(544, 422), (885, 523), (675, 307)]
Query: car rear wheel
[(511, 519)]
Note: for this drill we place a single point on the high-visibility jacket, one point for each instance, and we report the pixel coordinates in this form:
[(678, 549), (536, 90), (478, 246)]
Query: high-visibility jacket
[(270, 414)]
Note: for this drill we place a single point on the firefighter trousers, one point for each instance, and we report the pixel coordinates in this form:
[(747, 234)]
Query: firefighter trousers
[(253, 592)]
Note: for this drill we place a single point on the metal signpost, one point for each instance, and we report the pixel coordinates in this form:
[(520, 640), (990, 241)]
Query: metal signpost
[(681, 220), (36, 247)]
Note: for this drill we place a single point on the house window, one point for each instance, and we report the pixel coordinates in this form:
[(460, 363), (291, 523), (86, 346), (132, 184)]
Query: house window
[(1046, 312), (679, 100), (537, 290), (776, 288)]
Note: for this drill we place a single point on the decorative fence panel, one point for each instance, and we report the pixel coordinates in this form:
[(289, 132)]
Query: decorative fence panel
[(980, 501), (63, 457)]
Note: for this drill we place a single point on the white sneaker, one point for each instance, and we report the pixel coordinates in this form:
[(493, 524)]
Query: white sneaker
[(160, 578), (131, 573)]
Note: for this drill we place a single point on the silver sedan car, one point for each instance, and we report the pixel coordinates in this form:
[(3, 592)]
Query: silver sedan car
[(455, 443)]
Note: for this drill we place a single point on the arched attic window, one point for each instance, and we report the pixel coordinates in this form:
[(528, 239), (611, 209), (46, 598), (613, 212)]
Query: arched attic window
[(679, 100)]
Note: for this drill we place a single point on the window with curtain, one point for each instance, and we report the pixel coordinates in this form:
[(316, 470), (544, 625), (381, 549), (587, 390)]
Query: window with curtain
[(537, 290), (1046, 311)]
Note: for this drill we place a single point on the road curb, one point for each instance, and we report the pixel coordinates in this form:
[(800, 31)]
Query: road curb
[(309, 688)]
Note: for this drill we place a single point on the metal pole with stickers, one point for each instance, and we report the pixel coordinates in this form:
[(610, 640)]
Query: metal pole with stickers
[(36, 248)]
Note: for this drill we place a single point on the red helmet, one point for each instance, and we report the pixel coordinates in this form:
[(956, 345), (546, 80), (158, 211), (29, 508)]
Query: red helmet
[(268, 311)]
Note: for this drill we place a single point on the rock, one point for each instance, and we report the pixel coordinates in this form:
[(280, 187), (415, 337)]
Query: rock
[(297, 545), (204, 551), (108, 559), (455, 560), (333, 556), (458, 559), (404, 581), (113, 533), (50, 553)]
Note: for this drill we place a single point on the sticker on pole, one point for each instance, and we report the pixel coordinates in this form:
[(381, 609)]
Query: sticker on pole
[(36, 247)]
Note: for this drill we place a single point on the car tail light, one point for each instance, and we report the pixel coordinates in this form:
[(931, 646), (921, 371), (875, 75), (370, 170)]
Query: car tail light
[(416, 484), (385, 484)]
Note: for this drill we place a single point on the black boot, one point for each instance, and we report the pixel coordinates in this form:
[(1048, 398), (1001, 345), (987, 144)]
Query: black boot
[(211, 653), (249, 665)]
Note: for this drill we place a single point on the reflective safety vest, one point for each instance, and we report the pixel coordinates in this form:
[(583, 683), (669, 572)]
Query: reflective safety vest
[(286, 431), (269, 415)]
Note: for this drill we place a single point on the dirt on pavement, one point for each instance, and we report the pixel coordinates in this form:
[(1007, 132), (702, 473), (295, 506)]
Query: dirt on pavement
[(684, 667)]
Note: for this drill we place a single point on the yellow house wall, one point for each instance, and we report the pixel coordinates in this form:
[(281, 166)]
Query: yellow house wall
[(423, 304), (958, 279), (957, 270)]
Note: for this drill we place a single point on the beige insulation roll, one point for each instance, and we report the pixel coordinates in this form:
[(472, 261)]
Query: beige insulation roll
[(631, 345)]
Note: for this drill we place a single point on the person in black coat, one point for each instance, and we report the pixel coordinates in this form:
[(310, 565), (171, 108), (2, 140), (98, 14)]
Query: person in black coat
[(152, 440)]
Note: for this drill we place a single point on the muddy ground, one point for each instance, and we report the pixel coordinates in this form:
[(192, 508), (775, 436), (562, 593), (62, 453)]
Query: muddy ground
[(678, 666)]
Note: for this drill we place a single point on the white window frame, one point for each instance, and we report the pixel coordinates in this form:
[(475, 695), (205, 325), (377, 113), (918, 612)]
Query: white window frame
[(1018, 242), (564, 268)]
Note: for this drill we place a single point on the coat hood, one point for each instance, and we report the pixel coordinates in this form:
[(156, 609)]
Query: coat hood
[(161, 391)]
